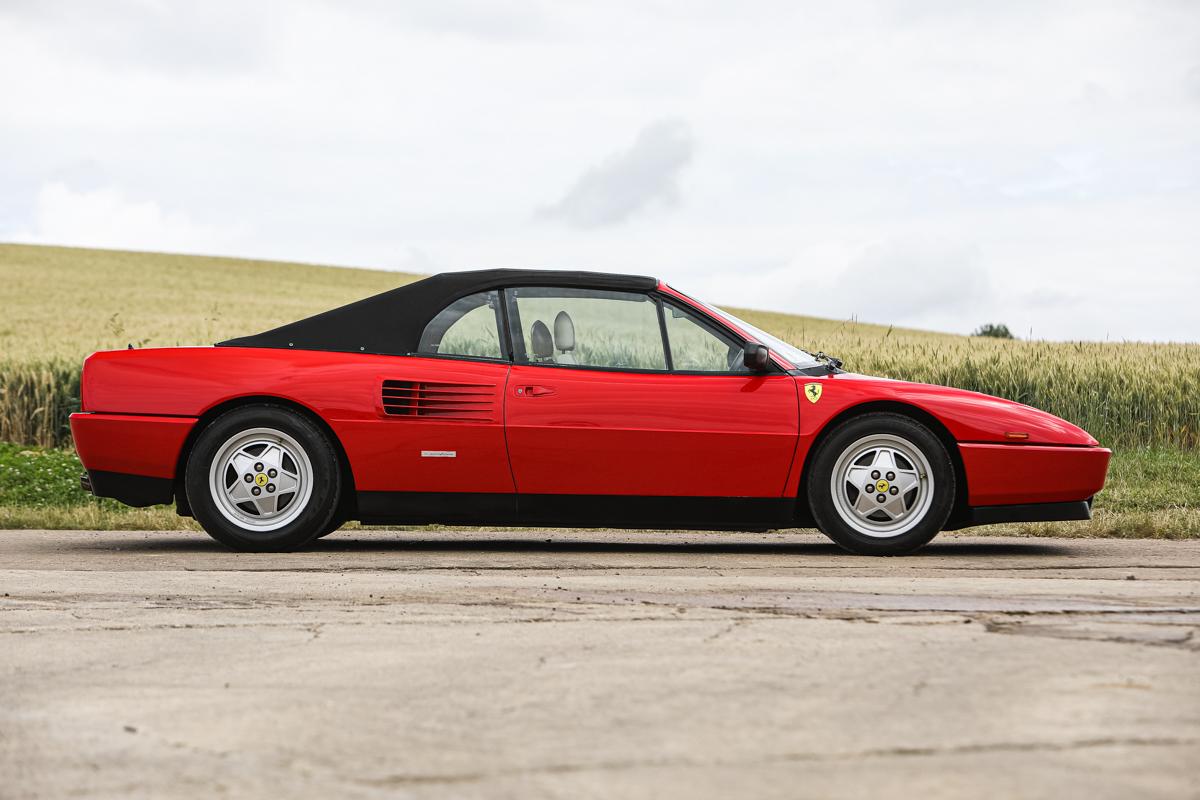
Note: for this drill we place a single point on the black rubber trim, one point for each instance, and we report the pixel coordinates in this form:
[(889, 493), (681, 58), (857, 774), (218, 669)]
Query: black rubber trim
[(626, 511), (1029, 512), (815, 371), (436, 508), (577, 511), (132, 490)]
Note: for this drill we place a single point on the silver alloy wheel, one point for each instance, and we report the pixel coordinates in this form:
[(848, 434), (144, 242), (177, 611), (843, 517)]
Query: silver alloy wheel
[(882, 485), (260, 479)]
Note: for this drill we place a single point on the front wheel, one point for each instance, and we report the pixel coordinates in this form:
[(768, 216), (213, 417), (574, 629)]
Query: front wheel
[(881, 484), (263, 478), (333, 526)]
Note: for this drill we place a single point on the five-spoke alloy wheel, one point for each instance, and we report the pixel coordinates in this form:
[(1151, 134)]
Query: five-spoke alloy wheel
[(881, 484), (263, 478)]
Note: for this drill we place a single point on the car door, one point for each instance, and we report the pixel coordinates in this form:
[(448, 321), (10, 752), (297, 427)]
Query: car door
[(595, 407), (438, 422)]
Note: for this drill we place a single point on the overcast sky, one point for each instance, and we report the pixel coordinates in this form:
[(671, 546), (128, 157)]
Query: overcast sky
[(936, 164)]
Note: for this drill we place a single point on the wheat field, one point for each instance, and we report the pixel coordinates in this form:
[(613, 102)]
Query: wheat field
[(62, 303)]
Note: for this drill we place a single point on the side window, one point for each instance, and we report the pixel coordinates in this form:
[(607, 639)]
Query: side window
[(586, 327), (469, 326), (697, 347)]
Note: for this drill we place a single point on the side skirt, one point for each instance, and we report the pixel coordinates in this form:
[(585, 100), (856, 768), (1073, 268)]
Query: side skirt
[(576, 511)]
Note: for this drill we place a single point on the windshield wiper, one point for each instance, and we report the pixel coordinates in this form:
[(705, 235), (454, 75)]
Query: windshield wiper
[(832, 363)]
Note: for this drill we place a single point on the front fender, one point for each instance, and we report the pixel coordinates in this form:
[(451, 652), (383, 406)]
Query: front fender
[(967, 416)]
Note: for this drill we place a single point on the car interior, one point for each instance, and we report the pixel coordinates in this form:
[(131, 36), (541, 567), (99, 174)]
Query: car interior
[(553, 348)]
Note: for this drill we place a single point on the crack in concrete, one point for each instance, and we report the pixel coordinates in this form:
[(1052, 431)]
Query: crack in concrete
[(728, 629), (996, 621), (308, 626), (1020, 628), (831, 613), (777, 758)]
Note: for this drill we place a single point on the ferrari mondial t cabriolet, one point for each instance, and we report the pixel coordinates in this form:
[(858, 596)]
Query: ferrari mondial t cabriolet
[(529, 397)]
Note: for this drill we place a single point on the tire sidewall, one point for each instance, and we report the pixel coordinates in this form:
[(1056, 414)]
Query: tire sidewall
[(821, 502), (326, 479)]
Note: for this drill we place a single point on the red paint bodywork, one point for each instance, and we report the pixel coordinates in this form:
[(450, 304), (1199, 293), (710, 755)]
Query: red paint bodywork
[(629, 433), (342, 389), (563, 430), (970, 418), (128, 443), (1005, 474)]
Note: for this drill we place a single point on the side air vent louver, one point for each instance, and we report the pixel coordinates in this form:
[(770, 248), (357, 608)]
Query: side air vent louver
[(473, 402)]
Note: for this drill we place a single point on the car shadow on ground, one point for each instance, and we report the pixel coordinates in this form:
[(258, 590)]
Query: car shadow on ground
[(351, 542), (948, 548)]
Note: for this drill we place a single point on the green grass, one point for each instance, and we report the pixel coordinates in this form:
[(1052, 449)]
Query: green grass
[(39, 488), (39, 478), (1147, 496)]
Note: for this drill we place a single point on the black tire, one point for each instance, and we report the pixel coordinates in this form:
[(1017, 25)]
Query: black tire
[(313, 518), (335, 524), (924, 525)]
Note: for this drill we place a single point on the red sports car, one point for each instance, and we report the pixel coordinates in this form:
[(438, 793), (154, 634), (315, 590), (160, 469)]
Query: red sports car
[(529, 397)]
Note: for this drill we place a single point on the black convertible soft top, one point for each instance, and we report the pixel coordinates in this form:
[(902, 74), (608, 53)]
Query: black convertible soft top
[(391, 323)]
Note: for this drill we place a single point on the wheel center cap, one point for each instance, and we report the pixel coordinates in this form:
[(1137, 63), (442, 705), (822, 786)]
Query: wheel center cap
[(881, 486), (261, 479)]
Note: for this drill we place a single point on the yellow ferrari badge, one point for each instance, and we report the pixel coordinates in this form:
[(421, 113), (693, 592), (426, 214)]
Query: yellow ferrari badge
[(813, 391), (260, 479)]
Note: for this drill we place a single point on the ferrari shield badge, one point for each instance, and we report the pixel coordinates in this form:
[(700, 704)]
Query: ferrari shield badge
[(813, 391)]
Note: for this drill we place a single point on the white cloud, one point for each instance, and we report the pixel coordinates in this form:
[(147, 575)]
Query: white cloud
[(630, 181), (914, 283), (1192, 81), (106, 218), (1047, 150)]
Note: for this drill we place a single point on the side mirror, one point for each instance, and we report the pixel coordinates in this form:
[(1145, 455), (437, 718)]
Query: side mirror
[(756, 357)]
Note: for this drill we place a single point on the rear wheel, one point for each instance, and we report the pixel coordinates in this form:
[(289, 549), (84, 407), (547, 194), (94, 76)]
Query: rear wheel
[(881, 484), (263, 478)]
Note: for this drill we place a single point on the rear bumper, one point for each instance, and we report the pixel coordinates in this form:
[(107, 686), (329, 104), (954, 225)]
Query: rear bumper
[(130, 458), (132, 444)]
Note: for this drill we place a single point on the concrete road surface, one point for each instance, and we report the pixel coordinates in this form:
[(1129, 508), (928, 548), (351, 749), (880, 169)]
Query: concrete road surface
[(597, 664)]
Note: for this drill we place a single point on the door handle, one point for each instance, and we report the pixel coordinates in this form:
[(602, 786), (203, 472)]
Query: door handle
[(535, 391)]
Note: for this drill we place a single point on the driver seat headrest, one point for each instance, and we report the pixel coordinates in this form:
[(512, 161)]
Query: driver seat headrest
[(542, 342)]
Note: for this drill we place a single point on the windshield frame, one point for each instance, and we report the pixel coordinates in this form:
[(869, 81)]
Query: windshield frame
[(796, 356)]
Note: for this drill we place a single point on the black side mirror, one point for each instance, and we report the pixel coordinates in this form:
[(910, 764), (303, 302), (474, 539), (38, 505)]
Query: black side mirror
[(756, 357)]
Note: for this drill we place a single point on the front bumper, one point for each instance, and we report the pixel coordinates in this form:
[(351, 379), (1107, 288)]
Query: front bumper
[(1012, 474)]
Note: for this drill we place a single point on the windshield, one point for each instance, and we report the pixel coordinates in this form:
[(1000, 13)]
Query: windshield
[(798, 357)]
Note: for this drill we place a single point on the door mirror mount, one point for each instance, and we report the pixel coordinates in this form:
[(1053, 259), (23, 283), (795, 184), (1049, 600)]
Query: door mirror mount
[(756, 357)]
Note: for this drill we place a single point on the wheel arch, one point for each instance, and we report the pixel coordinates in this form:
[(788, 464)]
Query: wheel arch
[(347, 504), (960, 510)]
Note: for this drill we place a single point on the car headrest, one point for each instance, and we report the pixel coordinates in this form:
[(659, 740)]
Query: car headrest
[(564, 332), (543, 344)]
